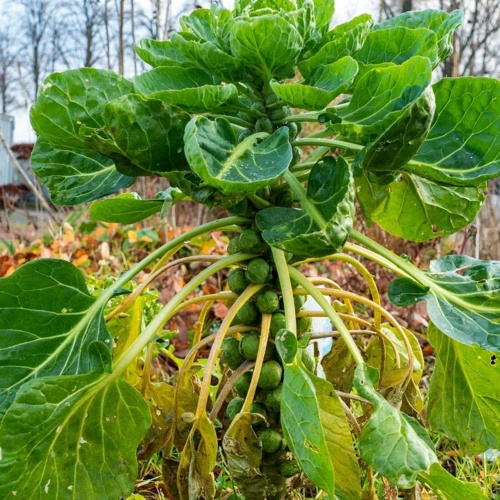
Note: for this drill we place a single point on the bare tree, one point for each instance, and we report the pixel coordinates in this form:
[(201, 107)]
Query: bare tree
[(8, 57), (36, 23)]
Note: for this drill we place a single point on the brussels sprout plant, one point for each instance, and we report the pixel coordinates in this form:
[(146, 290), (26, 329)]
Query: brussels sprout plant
[(220, 115)]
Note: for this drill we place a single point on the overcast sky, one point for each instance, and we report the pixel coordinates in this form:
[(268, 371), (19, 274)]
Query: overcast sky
[(344, 10)]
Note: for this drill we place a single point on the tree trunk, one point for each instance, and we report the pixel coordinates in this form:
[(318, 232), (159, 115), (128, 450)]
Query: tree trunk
[(407, 5), (121, 42), (132, 15)]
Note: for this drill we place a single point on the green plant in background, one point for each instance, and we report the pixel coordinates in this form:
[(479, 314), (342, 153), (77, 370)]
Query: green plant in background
[(214, 116)]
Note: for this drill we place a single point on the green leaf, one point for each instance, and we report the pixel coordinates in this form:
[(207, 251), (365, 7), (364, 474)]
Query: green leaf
[(397, 145), (73, 436), (443, 24), (75, 176), (417, 209), (323, 11), (393, 443), (143, 136), (159, 53), (74, 98), (321, 87), (464, 396), (268, 43), (47, 323), (190, 89), (243, 451), (322, 226), (125, 208), (207, 56), (317, 432), (382, 96), (214, 155), (195, 477), (201, 24), (396, 45), (286, 345), (448, 487), (344, 40), (462, 296), (461, 146)]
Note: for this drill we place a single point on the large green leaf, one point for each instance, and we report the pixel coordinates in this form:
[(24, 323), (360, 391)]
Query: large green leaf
[(159, 53), (321, 87), (461, 148), (73, 436), (393, 443), (382, 96), (448, 487), (47, 322), (321, 226), (75, 176), (344, 40), (396, 145), (125, 208), (317, 432), (214, 155), (417, 209), (464, 397), (143, 136), (268, 43), (243, 451), (462, 295), (397, 45), (207, 56), (444, 24), (323, 11), (74, 98), (190, 89)]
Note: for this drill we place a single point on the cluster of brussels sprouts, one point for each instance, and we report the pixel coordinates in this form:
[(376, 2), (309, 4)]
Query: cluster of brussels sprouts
[(267, 399)]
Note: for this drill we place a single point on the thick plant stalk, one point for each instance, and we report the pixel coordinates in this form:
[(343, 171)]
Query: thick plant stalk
[(264, 337)]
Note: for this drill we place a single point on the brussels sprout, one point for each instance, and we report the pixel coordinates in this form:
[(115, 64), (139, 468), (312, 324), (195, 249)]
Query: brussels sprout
[(279, 114), (237, 281), (264, 125), (270, 375), (260, 396), (272, 99), (303, 326), (297, 155), (234, 407), (249, 347), (233, 246), (245, 116), (308, 360), (268, 302), (289, 468), (230, 353), (258, 408), (299, 301), (242, 385), (273, 399), (259, 106), (250, 241), (278, 322), (284, 198), (248, 314), (293, 130), (258, 271), (271, 440)]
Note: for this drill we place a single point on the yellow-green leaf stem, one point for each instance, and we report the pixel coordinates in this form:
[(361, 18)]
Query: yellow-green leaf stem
[(317, 295), (286, 289), (214, 351)]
